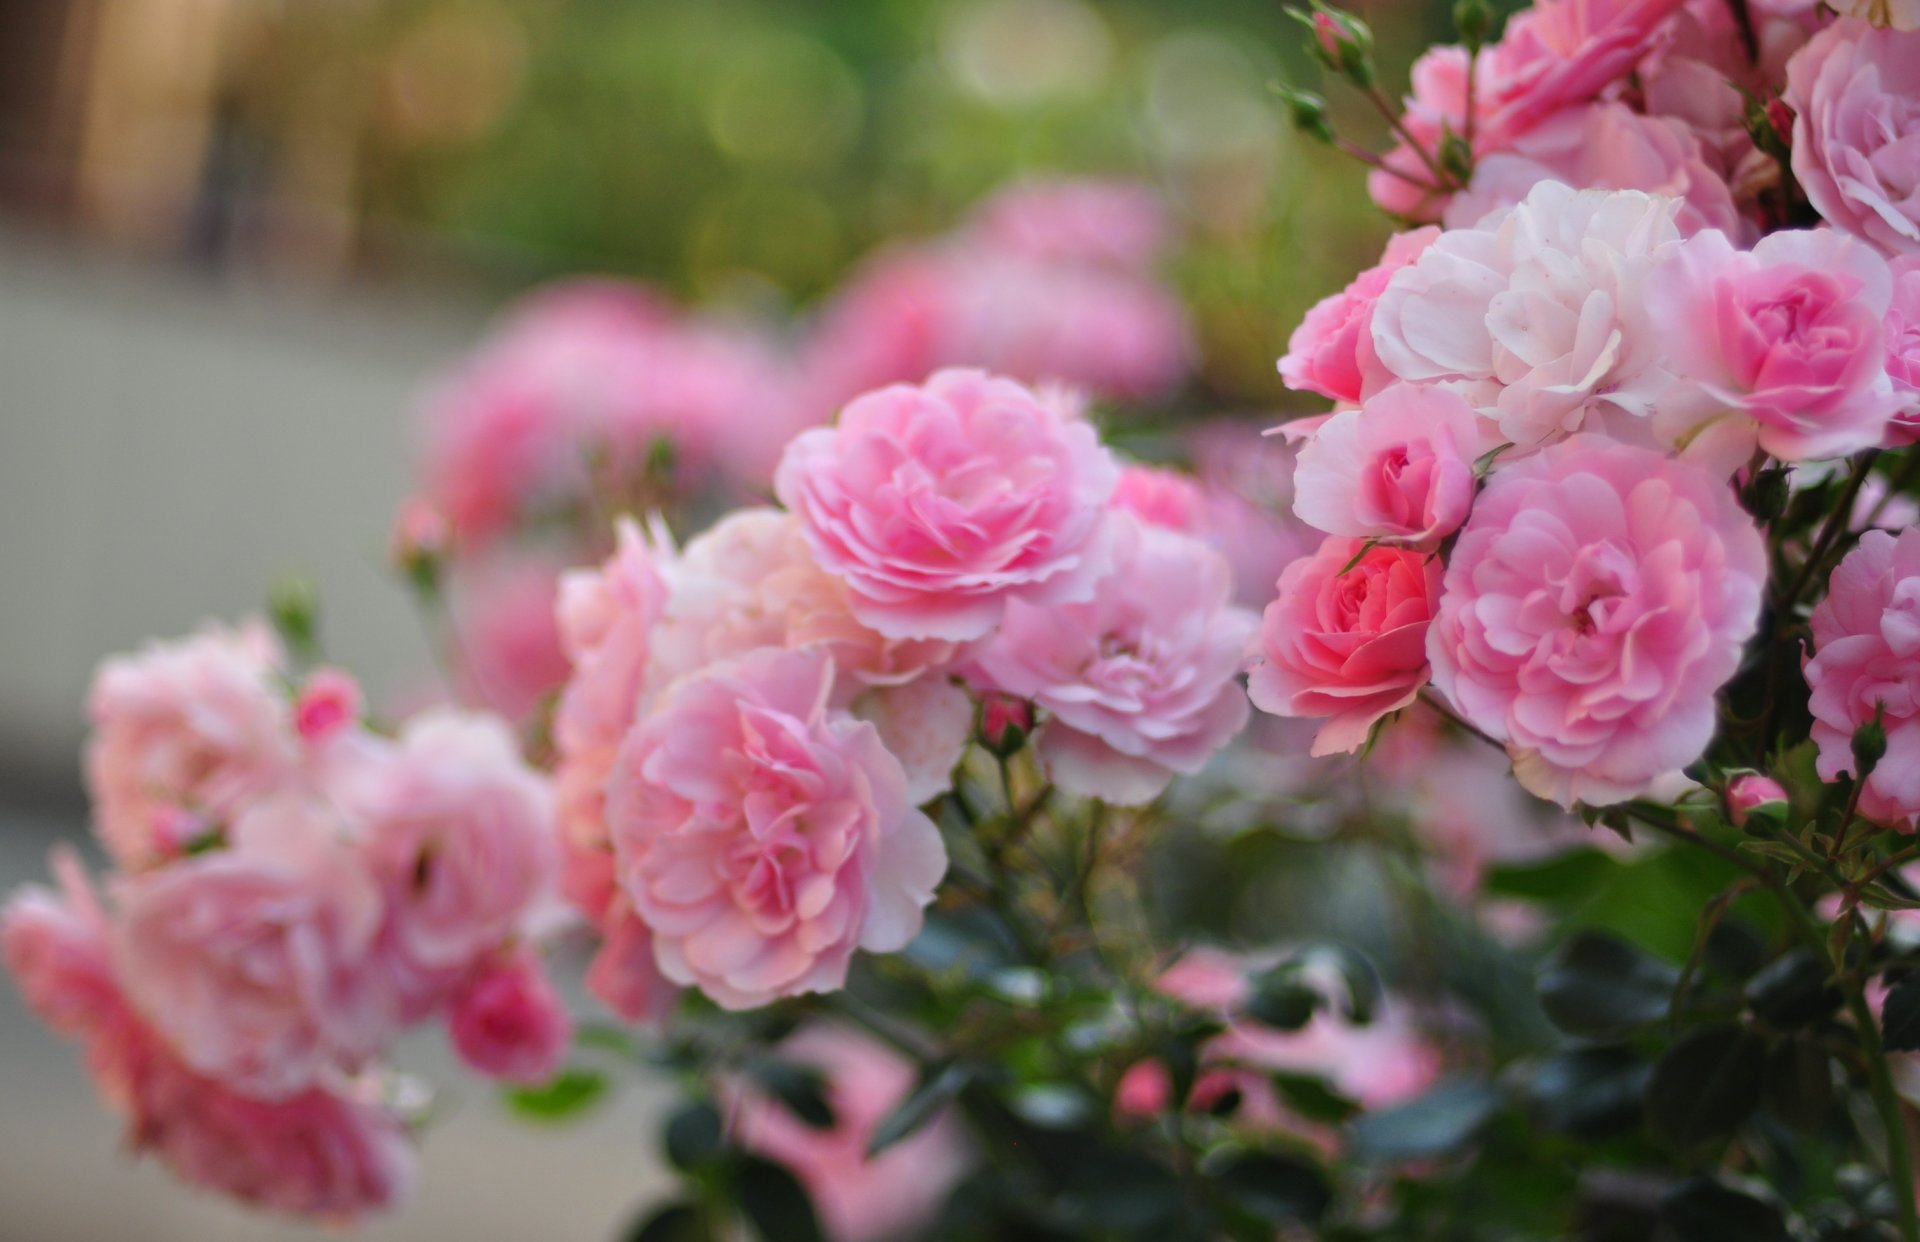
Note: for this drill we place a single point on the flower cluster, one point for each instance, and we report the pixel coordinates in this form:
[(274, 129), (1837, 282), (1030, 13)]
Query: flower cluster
[(292, 891), (754, 720)]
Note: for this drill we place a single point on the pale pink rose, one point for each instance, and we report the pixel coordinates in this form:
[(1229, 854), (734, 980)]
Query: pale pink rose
[(1700, 69), (926, 724), (460, 836), (325, 1154), (1787, 336), (1331, 352), (1902, 332), (1598, 598), (1400, 467), (1138, 683), (1161, 497), (1901, 15), (1605, 146), (1113, 223), (506, 642), (508, 1021), (1855, 92), (254, 963), (939, 504), (184, 733), (1866, 637), (56, 944), (1750, 791), (1348, 644), (858, 1200), (763, 837), (623, 973), (1535, 312)]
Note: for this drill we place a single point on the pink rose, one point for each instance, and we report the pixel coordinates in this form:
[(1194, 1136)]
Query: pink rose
[(1346, 643), (858, 1199), (184, 733), (56, 944), (1139, 682), (254, 962), (1535, 313), (508, 1021), (1110, 223), (1331, 352), (1866, 636), (1902, 332), (1247, 479), (1788, 335), (623, 973), (938, 504), (1855, 92), (1597, 599), (460, 837), (507, 645), (1161, 497), (1400, 467), (763, 837), (1605, 146), (926, 724)]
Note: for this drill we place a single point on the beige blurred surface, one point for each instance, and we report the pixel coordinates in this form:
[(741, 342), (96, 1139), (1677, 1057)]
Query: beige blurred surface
[(168, 447)]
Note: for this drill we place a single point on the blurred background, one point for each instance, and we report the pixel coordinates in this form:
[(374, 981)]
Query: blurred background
[(238, 237)]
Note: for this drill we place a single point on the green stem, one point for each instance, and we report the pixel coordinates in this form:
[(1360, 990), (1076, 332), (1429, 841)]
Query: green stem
[(1838, 523)]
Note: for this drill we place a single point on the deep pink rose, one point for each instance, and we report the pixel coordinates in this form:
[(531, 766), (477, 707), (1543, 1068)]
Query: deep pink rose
[(1331, 352), (1113, 223), (1902, 333), (254, 962), (859, 1199), (1866, 642), (1788, 336), (1597, 599), (937, 504), (1348, 644), (460, 835), (1855, 93), (763, 837), (184, 733), (1138, 683), (508, 1021), (1400, 467)]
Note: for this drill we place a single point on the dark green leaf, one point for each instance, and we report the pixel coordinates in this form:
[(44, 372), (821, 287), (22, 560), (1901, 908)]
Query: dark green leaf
[(1439, 1122), (571, 1093), (1800, 1083), (1563, 879), (1702, 1210), (774, 1201), (1277, 1189), (676, 1222), (695, 1137), (1900, 1019), (936, 1089), (1590, 1093), (1601, 987), (1706, 1084), (1312, 1098), (801, 1088), (1119, 1191), (1282, 1000), (1793, 990)]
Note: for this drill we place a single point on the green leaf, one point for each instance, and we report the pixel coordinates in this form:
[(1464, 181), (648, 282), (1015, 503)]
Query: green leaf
[(1312, 1098), (802, 1089), (1282, 1000), (1793, 990), (1439, 1122), (1601, 987), (1277, 1189), (937, 1087), (774, 1201), (1561, 880), (1706, 1084), (1800, 1083), (1702, 1210), (1900, 1018), (570, 1094), (695, 1137), (676, 1222), (1590, 1093)]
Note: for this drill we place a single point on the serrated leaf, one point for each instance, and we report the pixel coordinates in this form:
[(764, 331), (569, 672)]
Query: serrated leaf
[(1312, 1098), (1792, 990), (1602, 987), (801, 1089), (695, 1137), (1706, 1085), (1278, 1189), (571, 1093), (1590, 1093), (1439, 1122), (774, 1202), (676, 1222), (937, 1087)]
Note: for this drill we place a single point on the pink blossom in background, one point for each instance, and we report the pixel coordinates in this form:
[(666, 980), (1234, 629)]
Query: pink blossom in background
[(461, 837), (763, 837), (507, 649), (1605, 146), (1076, 220), (1902, 337), (1698, 71), (253, 963), (1534, 312), (1346, 644), (509, 1022), (1246, 479), (1597, 599), (937, 504), (1788, 335), (1161, 497), (184, 732), (858, 1199), (57, 946), (1399, 467), (1866, 640), (1855, 93), (1139, 683), (1332, 351)]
